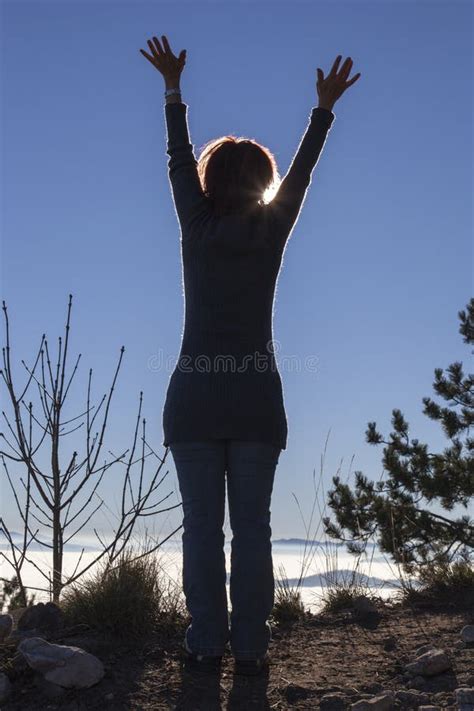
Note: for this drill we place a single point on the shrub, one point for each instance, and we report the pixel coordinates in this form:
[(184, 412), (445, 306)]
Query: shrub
[(288, 606), (127, 600), (443, 583)]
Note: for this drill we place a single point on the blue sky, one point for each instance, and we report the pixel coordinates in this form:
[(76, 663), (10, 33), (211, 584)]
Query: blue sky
[(377, 267)]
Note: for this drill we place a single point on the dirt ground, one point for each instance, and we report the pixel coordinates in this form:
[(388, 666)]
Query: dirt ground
[(313, 657)]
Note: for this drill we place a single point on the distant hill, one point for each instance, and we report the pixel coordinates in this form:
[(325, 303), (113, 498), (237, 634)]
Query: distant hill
[(323, 579), (305, 541), (14, 534), (300, 542), (36, 547)]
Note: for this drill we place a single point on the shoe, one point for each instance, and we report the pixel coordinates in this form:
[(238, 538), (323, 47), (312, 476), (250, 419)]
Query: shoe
[(200, 663), (252, 667)]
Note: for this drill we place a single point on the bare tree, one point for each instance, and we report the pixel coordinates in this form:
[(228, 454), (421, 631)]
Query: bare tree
[(54, 501)]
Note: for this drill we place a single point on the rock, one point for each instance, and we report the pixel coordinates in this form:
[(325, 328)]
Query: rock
[(418, 682), (423, 649), (464, 695), (374, 688), (431, 663), (70, 667), (382, 702), (467, 634), (41, 616), (363, 605), (429, 708), (390, 644), (365, 612), (6, 624), (333, 702), (5, 687), (443, 698), (17, 636), (411, 698), (348, 690)]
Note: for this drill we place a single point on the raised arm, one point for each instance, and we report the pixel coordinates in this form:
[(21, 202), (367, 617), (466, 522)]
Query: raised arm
[(287, 203), (188, 196)]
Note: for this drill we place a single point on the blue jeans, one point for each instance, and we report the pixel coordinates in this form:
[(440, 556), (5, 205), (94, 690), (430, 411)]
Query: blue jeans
[(201, 468)]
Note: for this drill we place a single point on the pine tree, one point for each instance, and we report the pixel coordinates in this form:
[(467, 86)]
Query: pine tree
[(419, 513)]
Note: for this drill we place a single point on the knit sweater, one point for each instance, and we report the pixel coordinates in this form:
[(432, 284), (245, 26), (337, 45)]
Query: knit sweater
[(226, 383)]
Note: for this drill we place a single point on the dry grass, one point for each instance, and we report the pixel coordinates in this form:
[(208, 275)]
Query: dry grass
[(128, 600)]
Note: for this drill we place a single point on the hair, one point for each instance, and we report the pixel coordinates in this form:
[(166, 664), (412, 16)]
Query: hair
[(236, 172)]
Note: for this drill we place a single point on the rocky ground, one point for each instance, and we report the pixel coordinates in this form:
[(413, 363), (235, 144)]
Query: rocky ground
[(351, 660)]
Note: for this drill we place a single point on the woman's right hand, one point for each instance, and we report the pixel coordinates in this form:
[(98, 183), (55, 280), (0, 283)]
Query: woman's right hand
[(331, 88), (165, 61)]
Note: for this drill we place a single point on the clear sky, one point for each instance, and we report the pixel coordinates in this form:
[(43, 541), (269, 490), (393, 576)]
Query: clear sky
[(377, 267)]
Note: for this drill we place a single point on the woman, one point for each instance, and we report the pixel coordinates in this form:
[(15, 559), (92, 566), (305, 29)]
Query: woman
[(224, 414)]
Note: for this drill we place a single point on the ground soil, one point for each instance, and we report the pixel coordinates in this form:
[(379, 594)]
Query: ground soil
[(312, 657)]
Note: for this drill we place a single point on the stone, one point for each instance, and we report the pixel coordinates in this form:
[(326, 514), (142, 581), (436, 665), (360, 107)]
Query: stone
[(333, 702), (17, 636), (418, 682), (348, 690), (431, 663), (390, 644), (374, 688), (429, 708), (423, 649), (41, 616), (365, 612), (411, 698), (467, 634), (5, 687), (70, 667), (382, 702), (6, 624), (443, 698), (363, 605), (464, 695)]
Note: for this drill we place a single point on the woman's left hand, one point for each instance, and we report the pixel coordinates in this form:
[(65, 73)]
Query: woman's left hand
[(164, 60)]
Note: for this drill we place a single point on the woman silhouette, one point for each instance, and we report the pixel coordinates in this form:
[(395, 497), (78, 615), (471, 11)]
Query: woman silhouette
[(224, 414)]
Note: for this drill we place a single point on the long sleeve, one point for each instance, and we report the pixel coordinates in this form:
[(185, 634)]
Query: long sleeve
[(287, 203), (188, 196)]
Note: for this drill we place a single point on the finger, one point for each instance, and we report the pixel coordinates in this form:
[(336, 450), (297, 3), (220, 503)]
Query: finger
[(158, 45), (154, 51), (159, 48), (320, 75), (150, 59), (335, 65), (166, 44), (346, 69), (354, 79)]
